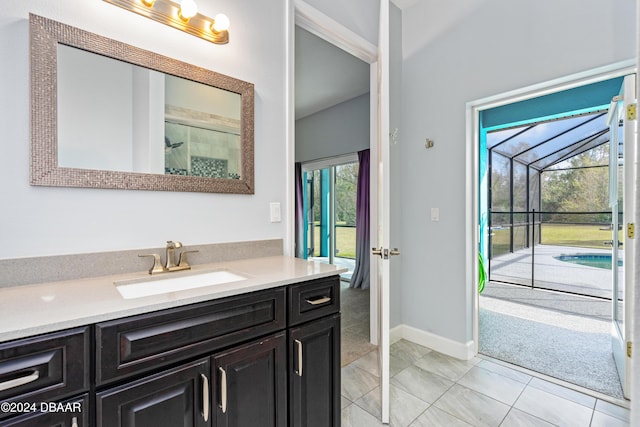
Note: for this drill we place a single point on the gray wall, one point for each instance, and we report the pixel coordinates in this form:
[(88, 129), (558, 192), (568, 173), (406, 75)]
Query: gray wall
[(342, 129), (454, 53)]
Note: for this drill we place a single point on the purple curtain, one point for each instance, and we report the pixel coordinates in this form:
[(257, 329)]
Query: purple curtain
[(300, 249), (360, 277)]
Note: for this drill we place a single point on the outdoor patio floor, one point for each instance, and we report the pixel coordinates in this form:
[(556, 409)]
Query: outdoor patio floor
[(551, 273)]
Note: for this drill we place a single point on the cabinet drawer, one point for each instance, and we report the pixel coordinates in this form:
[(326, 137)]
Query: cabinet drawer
[(314, 299), (45, 368), (142, 343)]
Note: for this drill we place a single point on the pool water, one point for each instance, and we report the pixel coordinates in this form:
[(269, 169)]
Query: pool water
[(590, 260)]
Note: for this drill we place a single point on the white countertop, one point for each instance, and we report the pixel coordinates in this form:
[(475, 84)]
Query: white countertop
[(46, 307)]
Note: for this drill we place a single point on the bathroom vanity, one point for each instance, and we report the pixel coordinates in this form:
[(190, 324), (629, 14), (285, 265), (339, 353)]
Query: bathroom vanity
[(263, 351)]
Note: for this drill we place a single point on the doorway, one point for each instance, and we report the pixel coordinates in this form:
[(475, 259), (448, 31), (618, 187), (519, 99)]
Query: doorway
[(514, 228)]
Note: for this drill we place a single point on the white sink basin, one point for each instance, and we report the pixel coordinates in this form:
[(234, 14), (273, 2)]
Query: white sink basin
[(139, 288)]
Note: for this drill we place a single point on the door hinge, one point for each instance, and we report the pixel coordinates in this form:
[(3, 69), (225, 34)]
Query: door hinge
[(631, 230), (629, 349), (632, 112)]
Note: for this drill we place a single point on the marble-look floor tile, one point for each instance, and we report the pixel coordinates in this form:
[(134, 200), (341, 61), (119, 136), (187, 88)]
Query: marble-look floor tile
[(356, 382), (504, 371), (434, 417), (564, 392), (353, 346), (425, 385), (345, 402), (552, 408), (403, 407), (355, 416), (397, 365), (369, 362), (474, 408), (600, 419), (613, 410), (517, 418), (408, 351), (493, 385), (446, 366)]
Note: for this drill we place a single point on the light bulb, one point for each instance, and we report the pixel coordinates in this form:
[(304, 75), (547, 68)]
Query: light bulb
[(148, 3), (188, 9), (220, 23)]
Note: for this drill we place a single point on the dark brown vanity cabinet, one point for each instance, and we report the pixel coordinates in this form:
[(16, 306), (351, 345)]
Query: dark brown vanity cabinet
[(269, 358)]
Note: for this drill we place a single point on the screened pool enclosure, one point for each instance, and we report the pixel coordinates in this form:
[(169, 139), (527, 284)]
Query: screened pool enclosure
[(548, 196)]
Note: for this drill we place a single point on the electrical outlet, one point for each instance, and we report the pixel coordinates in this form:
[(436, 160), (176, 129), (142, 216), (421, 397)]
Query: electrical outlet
[(435, 214), (274, 210)]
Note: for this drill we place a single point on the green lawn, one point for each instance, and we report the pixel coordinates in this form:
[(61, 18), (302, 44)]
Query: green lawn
[(584, 236), (345, 242)]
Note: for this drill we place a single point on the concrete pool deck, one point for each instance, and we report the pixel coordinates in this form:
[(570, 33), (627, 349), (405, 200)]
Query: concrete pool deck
[(551, 273)]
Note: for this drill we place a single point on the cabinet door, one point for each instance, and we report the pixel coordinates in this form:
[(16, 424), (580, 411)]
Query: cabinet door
[(314, 373), (250, 384), (177, 397)]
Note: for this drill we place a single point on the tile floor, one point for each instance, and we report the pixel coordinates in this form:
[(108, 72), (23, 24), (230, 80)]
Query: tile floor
[(431, 389)]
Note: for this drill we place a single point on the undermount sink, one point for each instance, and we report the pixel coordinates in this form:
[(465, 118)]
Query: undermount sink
[(138, 288)]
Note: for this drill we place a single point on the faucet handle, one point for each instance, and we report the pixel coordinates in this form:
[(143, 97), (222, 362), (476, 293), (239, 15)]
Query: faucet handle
[(157, 264), (173, 245), (182, 261)]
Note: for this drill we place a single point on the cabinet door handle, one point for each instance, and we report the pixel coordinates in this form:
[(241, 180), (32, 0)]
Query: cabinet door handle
[(319, 300), (299, 364), (205, 397), (74, 422), (223, 390), (17, 382)]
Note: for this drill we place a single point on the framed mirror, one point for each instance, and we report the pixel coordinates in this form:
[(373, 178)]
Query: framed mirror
[(109, 115)]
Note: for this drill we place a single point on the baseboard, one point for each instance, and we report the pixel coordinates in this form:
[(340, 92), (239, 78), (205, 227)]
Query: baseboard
[(463, 351)]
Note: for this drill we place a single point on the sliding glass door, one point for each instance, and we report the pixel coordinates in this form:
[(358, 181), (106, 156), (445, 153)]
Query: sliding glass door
[(330, 213)]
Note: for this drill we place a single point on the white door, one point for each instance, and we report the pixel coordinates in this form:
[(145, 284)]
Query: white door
[(383, 253), (622, 202)]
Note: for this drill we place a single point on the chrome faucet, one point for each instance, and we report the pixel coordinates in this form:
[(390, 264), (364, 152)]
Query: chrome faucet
[(170, 259)]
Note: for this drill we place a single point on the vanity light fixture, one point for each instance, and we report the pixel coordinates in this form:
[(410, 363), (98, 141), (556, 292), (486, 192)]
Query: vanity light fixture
[(183, 16)]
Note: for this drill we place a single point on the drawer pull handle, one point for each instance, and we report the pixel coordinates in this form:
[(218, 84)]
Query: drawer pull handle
[(74, 422), (319, 300), (6, 385), (299, 364), (205, 397), (223, 390)]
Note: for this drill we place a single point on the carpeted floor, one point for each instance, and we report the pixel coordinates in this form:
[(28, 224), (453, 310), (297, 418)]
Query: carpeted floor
[(572, 348)]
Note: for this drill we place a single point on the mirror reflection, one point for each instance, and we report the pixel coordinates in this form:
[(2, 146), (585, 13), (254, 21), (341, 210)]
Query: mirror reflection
[(105, 114), (117, 116)]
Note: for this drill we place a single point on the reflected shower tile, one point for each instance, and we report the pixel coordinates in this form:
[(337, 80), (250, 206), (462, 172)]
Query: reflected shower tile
[(447, 366), (601, 419), (517, 418), (470, 406), (345, 402), (552, 408), (355, 416), (423, 384), (403, 407), (564, 392), (434, 417), (613, 410), (356, 382), (504, 371), (493, 385), (408, 351)]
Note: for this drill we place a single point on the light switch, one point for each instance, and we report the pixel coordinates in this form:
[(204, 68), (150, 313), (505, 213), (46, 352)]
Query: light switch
[(274, 208), (435, 214)]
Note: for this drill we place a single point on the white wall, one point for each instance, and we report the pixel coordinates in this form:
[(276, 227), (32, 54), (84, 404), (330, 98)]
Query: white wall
[(341, 129), (36, 221), (455, 52), (360, 16)]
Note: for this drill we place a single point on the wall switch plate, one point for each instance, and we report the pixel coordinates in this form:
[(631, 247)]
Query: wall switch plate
[(274, 210), (435, 214)]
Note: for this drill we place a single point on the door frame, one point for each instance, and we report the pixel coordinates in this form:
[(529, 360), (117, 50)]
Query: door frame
[(472, 155)]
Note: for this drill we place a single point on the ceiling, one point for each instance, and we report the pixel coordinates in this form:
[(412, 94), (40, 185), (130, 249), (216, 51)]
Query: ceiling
[(325, 75)]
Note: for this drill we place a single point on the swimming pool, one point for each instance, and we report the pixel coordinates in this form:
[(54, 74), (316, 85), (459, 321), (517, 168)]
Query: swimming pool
[(590, 260)]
